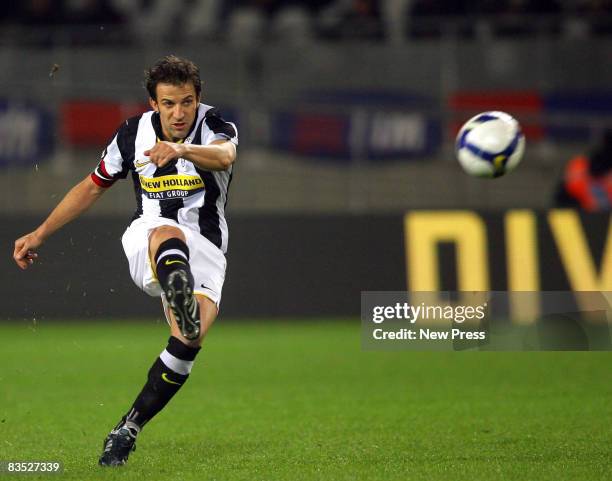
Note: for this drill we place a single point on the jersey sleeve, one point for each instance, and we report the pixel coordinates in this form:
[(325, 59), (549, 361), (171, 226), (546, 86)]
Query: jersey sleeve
[(111, 166), (215, 128)]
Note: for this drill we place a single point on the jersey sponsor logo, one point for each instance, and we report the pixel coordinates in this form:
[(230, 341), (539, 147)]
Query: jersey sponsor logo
[(171, 186)]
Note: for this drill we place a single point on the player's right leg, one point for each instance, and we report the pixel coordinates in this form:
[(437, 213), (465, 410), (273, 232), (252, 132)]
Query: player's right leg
[(208, 314), (169, 254)]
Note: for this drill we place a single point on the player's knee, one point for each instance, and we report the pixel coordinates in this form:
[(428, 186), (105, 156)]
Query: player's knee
[(164, 232)]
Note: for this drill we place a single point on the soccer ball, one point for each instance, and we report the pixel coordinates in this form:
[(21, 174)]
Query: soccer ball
[(490, 144)]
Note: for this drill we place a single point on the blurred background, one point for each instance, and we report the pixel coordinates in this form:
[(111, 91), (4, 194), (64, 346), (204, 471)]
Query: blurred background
[(347, 112)]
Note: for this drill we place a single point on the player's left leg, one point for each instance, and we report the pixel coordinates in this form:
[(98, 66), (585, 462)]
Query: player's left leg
[(167, 375)]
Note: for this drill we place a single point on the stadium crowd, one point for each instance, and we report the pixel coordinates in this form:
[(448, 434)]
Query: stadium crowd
[(246, 20)]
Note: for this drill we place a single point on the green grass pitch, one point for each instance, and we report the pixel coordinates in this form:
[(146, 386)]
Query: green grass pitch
[(302, 401)]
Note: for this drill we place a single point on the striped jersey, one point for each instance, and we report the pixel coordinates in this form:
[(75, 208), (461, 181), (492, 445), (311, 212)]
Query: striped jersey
[(179, 190)]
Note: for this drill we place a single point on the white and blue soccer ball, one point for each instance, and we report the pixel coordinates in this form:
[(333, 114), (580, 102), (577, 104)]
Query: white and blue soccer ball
[(490, 144)]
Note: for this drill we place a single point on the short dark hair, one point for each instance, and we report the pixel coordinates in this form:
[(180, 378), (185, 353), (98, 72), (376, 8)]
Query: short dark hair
[(172, 70)]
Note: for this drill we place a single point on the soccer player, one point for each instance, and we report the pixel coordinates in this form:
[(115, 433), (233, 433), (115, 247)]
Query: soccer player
[(180, 156)]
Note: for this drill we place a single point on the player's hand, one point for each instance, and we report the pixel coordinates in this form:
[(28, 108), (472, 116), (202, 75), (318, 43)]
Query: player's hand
[(163, 152), (25, 249)]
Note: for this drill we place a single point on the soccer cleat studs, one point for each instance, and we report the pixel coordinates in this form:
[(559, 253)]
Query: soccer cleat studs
[(117, 447), (183, 303)]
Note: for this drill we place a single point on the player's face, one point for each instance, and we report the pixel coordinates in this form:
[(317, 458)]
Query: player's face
[(177, 106)]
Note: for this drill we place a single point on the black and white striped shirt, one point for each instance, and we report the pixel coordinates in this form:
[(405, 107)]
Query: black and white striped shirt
[(179, 190)]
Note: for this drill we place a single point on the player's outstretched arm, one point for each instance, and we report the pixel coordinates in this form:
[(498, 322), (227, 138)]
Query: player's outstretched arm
[(218, 155), (74, 203)]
